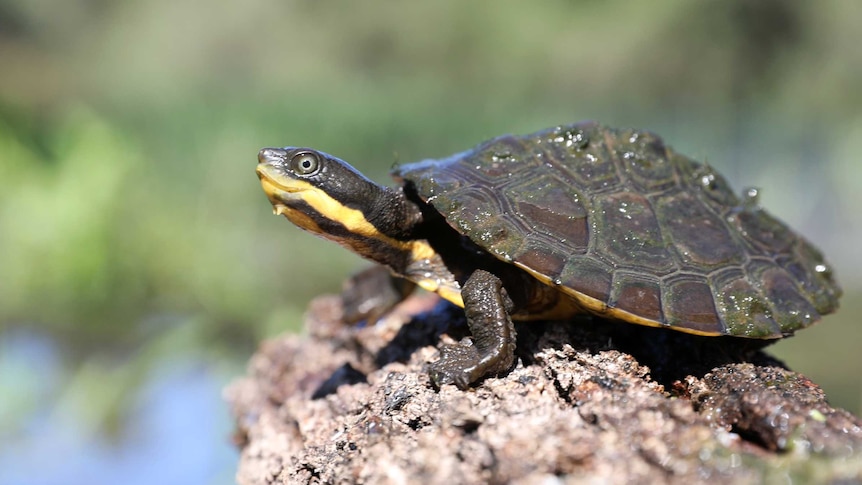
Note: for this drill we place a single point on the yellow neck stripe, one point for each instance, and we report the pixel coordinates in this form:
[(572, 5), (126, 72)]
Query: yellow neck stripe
[(356, 223), (352, 219)]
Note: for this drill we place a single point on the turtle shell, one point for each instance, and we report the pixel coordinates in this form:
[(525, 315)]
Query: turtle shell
[(631, 229)]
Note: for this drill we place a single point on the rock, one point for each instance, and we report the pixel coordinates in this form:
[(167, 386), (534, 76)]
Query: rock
[(589, 401)]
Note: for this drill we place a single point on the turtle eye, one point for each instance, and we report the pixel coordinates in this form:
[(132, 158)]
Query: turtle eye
[(305, 163)]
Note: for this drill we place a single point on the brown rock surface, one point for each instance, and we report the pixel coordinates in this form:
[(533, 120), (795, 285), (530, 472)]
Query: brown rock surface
[(589, 402)]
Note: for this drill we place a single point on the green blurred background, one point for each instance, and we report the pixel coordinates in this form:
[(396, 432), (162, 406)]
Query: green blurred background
[(140, 263)]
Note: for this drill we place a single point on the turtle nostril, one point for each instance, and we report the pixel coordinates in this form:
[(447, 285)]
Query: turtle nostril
[(266, 155)]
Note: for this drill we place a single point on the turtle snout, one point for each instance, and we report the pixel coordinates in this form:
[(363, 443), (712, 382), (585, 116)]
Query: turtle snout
[(271, 155)]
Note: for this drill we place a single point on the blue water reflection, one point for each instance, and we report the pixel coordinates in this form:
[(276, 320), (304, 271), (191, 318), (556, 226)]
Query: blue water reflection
[(177, 432)]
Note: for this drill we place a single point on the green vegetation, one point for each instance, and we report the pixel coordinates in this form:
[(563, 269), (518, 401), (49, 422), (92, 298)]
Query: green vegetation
[(133, 229)]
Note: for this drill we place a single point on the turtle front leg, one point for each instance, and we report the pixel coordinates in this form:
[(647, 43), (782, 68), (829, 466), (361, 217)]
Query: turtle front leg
[(371, 293), (492, 351)]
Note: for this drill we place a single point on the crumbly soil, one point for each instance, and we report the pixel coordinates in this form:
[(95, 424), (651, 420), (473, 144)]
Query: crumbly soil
[(589, 401)]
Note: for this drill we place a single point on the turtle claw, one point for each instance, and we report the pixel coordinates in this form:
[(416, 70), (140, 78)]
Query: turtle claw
[(458, 364)]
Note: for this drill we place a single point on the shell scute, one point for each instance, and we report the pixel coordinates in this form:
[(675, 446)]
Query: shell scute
[(745, 310), (688, 303), (630, 233), (637, 293), (552, 209), (700, 237), (588, 276)]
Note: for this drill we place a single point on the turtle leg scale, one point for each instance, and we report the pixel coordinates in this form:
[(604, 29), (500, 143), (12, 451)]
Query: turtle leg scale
[(492, 350)]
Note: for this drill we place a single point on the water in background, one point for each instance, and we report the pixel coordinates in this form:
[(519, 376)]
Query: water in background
[(176, 431)]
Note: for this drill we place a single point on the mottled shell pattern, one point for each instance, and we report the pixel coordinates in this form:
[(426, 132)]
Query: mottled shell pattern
[(618, 219)]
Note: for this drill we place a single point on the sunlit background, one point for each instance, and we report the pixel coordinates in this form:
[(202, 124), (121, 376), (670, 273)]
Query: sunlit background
[(140, 262)]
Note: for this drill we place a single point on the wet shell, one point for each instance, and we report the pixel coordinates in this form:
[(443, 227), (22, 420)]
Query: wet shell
[(619, 219)]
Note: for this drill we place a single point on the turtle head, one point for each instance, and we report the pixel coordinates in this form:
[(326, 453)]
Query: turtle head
[(315, 190), (326, 196)]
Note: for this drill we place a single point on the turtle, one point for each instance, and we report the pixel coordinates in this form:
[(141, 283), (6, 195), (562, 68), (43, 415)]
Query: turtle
[(578, 218)]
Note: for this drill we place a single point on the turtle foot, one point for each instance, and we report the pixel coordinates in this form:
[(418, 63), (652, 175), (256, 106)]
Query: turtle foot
[(458, 364), (462, 364)]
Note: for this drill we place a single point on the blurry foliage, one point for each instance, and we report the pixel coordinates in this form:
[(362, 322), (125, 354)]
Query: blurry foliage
[(128, 131)]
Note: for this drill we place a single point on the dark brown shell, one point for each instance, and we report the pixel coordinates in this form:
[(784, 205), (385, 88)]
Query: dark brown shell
[(622, 222)]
